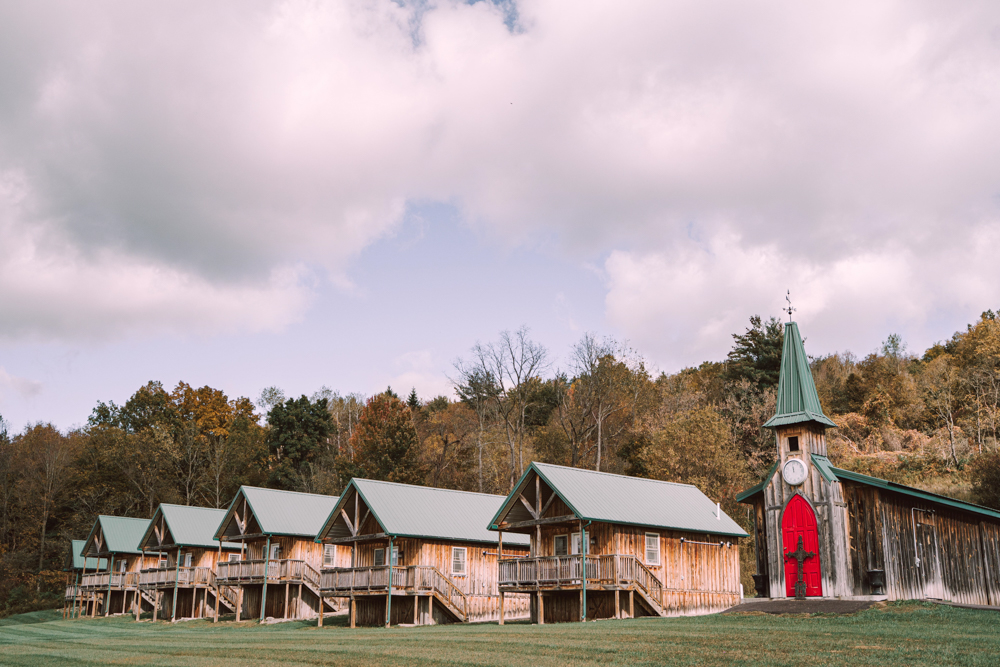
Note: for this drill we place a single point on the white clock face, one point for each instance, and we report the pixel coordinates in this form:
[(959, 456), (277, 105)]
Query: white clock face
[(794, 472)]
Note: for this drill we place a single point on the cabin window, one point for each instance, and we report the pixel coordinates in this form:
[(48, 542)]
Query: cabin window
[(560, 545), (577, 543), (161, 563), (234, 558), (122, 566), (394, 559), (458, 560), (793, 443), (652, 549), (275, 551), (186, 560), (379, 557), (329, 555)]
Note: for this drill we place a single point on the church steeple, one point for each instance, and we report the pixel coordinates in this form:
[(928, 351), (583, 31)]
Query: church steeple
[(797, 400)]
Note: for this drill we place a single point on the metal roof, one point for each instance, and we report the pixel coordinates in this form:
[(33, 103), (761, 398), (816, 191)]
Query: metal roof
[(94, 564), (601, 496), (190, 526), (122, 534), (797, 398), (404, 510), (833, 474), (284, 512)]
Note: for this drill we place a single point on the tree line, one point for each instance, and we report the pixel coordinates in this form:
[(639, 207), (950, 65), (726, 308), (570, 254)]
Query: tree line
[(928, 420)]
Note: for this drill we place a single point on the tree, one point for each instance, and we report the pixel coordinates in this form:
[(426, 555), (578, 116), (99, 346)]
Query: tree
[(479, 391), (413, 401), (984, 473), (385, 443), (297, 431), (511, 363), (939, 381), (756, 354)]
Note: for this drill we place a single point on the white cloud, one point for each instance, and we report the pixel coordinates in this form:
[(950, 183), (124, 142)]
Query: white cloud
[(21, 387), (421, 371)]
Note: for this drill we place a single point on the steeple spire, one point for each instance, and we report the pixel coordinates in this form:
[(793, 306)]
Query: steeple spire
[(797, 401)]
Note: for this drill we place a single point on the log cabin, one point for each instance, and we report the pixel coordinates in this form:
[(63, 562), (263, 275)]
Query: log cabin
[(279, 560), (116, 540), (612, 546), (822, 531), (76, 601), (434, 544), (182, 584)]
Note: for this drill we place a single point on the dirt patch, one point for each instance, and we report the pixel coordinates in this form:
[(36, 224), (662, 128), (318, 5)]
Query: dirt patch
[(808, 606)]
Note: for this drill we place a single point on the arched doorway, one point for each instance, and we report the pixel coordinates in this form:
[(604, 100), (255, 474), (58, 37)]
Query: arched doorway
[(799, 520)]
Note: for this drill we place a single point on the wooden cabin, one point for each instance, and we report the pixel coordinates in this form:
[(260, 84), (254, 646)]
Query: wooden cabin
[(277, 570), (182, 584), (433, 543), (116, 540), (78, 602), (854, 536), (611, 546)]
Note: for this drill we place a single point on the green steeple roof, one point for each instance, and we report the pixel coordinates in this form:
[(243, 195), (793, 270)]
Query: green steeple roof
[(797, 398)]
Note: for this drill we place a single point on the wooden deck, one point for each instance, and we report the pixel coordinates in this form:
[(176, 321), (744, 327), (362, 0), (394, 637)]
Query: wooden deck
[(115, 581), (409, 580)]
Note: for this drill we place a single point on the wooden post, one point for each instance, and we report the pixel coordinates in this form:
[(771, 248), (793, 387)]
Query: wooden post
[(177, 576), (320, 608), (631, 603), (541, 609), (156, 604), (416, 612), (218, 594), (263, 593), (138, 604), (286, 598), (353, 610), (239, 602), (501, 607), (194, 602), (298, 602)]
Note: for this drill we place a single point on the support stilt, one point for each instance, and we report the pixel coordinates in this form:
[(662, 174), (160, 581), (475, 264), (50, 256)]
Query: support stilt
[(541, 609), (353, 611)]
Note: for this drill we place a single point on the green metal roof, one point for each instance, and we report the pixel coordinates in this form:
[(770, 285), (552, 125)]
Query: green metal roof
[(824, 466), (797, 398), (283, 512), (93, 564), (601, 496), (189, 526), (121, 535), (404, 510)]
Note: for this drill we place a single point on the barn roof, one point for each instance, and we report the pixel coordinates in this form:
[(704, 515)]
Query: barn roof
[(797, 399), (833, 474), (404, 510), (188, 526), (76, 548), (121, 535), (601, 496), (280, 512)]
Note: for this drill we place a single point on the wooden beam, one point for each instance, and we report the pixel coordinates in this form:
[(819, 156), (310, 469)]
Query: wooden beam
[(538, 522), (350, 527), (356, 538), (527, 506), (548, 503)]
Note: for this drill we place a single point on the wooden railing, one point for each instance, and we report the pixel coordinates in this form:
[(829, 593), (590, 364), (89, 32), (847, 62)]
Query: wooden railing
[(413, 578), (613, 569), (72, 592), (283, 569), (117, 580), (159, 577)]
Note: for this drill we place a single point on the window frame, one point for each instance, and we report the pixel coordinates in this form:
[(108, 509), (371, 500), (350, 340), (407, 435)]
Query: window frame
[(187, 559), (275, 552), (329, 555), (378, 557), (465, 561), (579, 544), (122, 567), (646, 558), (234, 558), (162, 563), (394, 556), (555, 542)]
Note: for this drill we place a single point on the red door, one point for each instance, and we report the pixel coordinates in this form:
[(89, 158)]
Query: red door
[(799, 520)]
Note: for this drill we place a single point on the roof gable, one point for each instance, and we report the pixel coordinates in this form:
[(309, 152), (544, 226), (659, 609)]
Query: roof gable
[(115, 534), (184, 526), (605, 497), (797, 399), (278, 512), (405, 510)]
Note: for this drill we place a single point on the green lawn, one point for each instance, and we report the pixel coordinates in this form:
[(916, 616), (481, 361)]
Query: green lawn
[(900, 634)]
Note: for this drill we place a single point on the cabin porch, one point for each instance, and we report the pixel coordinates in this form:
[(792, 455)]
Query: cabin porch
[(184, 592), (289, 587)]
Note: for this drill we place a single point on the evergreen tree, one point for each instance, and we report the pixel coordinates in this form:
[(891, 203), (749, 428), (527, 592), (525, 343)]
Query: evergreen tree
[(297, 430), (413, 402), (756, 354)]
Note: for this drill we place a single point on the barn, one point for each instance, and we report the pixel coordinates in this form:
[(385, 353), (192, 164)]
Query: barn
[(115, 540), (277, 568), (435, 545), (822, 531), (181, 584), (617, 546)]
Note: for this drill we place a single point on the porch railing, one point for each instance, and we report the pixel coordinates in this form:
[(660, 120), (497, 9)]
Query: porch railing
[(282, 569), (116, 580), (611, 569), (159, 577), (413, 579)]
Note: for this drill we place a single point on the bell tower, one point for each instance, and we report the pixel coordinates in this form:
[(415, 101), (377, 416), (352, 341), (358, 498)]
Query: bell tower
[(803, 473)]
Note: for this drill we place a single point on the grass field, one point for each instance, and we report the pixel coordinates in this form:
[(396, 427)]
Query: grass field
[(899, 634)]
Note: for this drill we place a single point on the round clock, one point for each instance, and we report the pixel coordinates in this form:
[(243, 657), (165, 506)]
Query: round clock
[(794, 472)]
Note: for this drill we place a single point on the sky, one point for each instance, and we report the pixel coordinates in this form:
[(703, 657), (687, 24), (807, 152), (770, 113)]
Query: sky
[(351, 195)]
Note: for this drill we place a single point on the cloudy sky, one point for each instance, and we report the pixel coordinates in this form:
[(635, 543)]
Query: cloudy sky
[(351, 194)]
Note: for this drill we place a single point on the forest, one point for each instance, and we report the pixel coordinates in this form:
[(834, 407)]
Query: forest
[(927, 420)]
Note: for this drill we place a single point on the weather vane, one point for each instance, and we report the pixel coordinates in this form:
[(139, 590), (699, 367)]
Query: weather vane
[(790, 309)]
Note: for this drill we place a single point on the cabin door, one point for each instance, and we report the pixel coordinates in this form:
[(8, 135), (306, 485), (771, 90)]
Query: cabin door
[(799, 520), (928, 563)]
